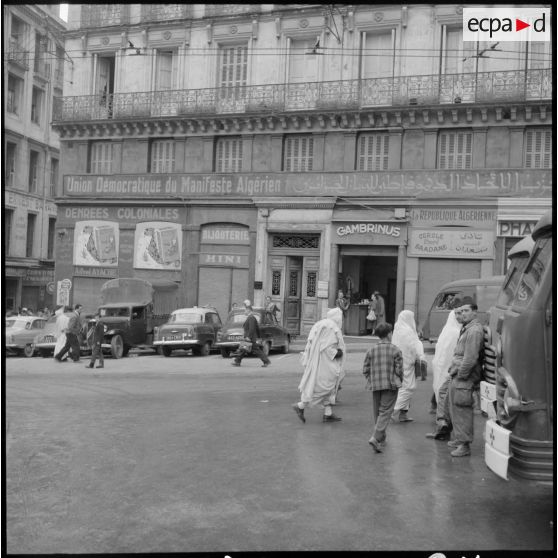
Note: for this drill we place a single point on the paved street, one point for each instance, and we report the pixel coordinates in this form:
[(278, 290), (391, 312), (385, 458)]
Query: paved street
[(189, 454)]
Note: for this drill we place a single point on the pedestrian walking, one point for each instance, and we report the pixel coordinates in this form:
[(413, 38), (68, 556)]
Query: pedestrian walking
[(371, 316), (61, 324), (383, 370), (380, 309), (95, 337), (405, 338), (443, 357), (343, 303), (252, 335), (465, 372), (323, 360), (73, 329)]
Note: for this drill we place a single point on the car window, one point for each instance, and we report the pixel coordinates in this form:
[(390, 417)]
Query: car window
[(215, 319), (531, 278), (444, 301), (137, 312), (10, 323), (185, 318)]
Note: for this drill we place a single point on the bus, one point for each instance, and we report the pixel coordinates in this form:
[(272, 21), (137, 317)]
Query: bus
[(518, 361)]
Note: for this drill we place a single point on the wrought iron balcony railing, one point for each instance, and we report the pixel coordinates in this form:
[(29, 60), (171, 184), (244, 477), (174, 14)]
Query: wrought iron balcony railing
[(486, 87), (164, 12), (102, 15), (18, 54)]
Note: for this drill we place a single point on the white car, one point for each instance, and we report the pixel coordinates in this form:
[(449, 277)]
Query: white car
[(20, 334)]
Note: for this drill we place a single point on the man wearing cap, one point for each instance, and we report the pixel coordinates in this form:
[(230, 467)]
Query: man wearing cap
[(94, 340), (251, 334), (465, 373)]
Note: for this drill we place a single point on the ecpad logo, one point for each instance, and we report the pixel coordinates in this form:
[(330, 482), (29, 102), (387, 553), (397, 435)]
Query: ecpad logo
[(506, 24)]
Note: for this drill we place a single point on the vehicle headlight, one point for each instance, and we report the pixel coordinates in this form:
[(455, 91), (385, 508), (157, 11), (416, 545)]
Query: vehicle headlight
[(511, 399)]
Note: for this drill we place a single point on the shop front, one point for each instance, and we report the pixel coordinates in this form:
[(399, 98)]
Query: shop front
[(370, 257)]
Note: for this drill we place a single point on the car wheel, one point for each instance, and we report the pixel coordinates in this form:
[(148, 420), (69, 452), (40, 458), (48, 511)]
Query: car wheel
[(226, 353), (117, 346), (205, 349), (266, 348), (28, 350), (167, 351), (286, 346)]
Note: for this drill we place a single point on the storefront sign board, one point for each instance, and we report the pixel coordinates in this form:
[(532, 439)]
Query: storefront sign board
[(224, 260), (517, 229), (442, 243), (369, 233)]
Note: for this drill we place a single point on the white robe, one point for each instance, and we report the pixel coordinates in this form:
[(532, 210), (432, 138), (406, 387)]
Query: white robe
[(322, 371), (61, 325), (443, 354), (406, 339)]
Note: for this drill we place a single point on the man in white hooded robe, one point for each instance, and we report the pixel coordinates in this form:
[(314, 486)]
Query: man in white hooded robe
[(323, 360)]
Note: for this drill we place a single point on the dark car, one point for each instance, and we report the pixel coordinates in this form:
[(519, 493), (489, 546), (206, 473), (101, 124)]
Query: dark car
[(189, 328), (274, 336)]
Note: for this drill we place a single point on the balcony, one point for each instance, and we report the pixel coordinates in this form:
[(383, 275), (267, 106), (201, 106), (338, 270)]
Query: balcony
[(102, 15), (488, 87), (18, 55), (164, 12)]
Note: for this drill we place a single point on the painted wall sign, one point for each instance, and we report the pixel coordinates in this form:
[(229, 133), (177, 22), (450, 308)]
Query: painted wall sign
[(369, 233), (14, 199), (96, 243), (441, 243), (120, 214), (39, 275), (225, 260), (158, 245), (453, 216), (517, 229), (104, 272), (422, 183), (225, 234)]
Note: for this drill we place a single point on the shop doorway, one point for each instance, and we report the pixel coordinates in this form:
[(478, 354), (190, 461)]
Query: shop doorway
[(364, 274)]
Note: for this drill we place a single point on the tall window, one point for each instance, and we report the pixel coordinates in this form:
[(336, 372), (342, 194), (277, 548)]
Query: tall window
[(373, 152), (162, 156), (41, 46), (33, 170), (59, 67), (378, 54), (31, 222), (233, 66), (298, 153), (455, 150), (50, 244), (11, 156), (101, 157), (458, 56), (538, 148), (228, 155), (165, 70), (303, 63), (53, 177), (13, 98), (8, 224), (36, 105)]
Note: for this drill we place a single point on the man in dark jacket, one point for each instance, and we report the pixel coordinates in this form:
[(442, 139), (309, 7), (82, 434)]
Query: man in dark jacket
[(94, 340), (252, 335), (72, 332)]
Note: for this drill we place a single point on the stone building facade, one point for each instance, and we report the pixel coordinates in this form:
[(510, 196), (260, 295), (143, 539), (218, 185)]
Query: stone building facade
[(33, 74), (286, 150)]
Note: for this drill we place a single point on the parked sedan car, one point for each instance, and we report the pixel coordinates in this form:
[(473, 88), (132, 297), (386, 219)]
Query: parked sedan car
[(274, 336), (189, 328), (46, 340), (20, 334)]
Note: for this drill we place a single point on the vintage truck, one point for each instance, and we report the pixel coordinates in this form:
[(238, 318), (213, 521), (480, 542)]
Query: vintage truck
[(131, 308)]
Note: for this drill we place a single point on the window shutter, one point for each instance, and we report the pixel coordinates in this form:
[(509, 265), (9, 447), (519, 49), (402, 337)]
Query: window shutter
[(538, 148), (228, 155), (455, 150)]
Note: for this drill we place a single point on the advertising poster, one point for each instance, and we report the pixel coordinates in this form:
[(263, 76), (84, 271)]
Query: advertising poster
[(96, 243), (158, 245)]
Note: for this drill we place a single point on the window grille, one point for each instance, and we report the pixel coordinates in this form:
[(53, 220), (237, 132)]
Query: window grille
[(276, 282), (293, 283), (101, 157), (296, 241), (311, 283), (228, 155), (298, 154), (538, 148), (162, 156), (455, 150), (373, 152)]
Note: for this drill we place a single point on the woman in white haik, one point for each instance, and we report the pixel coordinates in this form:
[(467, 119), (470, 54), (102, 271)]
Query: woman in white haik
[(406, 339), (444, 352), (61, 325)]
